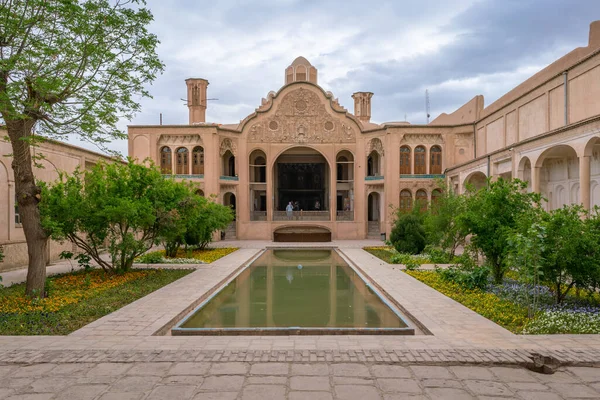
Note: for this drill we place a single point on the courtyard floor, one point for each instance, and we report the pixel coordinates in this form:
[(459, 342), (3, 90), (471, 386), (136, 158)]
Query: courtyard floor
[(129, 354)]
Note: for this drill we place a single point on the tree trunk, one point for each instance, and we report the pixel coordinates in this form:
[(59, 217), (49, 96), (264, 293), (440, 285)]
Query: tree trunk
[(28, 198)]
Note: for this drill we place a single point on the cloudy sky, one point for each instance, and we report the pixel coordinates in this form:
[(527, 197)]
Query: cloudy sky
[(454, 48)]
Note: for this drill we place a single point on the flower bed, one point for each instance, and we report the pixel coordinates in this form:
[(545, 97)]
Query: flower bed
[(391, 256), (205, 256), (503, 312), (76, 299), (506, 305)]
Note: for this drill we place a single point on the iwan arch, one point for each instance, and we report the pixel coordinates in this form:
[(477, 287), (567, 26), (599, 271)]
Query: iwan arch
[(342, 172)]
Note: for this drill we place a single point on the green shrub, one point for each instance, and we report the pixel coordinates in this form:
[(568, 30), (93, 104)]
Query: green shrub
[(466, 273), (411, 264), (408, 234), (439, 256), (154, 257)]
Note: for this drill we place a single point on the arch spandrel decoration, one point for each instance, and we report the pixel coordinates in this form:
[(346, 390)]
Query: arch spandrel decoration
[(301, 118), (375, 144), (227, 144)]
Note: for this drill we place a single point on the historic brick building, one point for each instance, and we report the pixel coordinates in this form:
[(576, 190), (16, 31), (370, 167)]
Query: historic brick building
[(341, 172)]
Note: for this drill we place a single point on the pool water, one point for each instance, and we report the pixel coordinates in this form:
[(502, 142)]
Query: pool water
[(314, 291)]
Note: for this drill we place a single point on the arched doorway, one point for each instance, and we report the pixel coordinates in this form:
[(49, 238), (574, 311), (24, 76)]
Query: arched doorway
[(228, 160), (558, 169), (344, 186), (524, 172), (301, 178), (229, 200), (373, 214)]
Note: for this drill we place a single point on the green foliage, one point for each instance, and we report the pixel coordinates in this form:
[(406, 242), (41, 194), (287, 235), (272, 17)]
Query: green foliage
[(490, 216), (439, 256), (1, 255), (154, 257), (411, 264), (474, 278), (207, 219), (124, 207), (408, 234), (570, 254), (525, 255), (441, 223), (75, 66)]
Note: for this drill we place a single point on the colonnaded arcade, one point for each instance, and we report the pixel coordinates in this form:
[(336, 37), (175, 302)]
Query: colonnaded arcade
[(340, 172)]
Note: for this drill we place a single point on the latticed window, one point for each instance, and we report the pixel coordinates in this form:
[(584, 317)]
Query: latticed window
[(198, 160), (405, 160), (182, 161), (405, 200), (420, 167), (165, 160), (436, 160)]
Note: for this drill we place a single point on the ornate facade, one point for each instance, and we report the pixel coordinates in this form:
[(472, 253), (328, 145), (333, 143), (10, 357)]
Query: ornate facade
[(340, 173)]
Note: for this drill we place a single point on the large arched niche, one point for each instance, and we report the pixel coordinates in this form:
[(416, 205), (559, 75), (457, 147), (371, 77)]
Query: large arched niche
[(524, 171), (475, 180), (301, 175), (558, 168)]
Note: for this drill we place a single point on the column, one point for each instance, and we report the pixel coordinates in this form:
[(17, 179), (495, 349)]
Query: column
[(427, 155), (584, 181), (190, 159), (332, 193), (535, 179), (270, 194), (173, 161)]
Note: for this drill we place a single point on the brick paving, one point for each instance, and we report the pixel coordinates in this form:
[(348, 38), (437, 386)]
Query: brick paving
[(126, 354)]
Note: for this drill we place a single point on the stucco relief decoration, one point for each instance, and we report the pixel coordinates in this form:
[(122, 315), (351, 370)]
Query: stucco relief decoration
[(422, 139), (375, 144), (225, 188), (179, 139), (301, 118), (227, 144)]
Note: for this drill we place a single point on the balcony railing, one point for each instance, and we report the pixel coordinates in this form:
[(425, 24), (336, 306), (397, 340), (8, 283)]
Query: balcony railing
[(228, 178), (422, 176), (258, 215), (374, 178), (301, 216), (184, 176), (344, 216)]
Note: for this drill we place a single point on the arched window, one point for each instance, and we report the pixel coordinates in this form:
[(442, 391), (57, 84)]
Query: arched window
[(301, 73), (373, 164), (436, 195), (258, 167), (421, 199), (228, 164), (200, 192), (404, 160), (405, 200), (165, 160), (198, 160), (420, 168), (182, 161), (436, 160)]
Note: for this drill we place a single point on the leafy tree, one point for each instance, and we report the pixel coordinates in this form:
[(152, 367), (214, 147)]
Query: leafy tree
[(569, 258), (122, 206), (442, 222), (525, 252), (175, 225), (68, 66), (408, 234), (207, 219), (490, 216)]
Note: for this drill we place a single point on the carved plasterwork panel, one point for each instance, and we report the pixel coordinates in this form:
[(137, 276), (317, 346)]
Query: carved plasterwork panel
[(301, 118), (377, 145), (227, 144), (412, 138), (179, 139)]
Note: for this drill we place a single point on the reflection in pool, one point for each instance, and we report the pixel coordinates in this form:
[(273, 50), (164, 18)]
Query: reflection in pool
[(295, 290)]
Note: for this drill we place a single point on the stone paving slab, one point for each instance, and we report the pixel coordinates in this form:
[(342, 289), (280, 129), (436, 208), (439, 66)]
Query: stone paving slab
[(288, 380)]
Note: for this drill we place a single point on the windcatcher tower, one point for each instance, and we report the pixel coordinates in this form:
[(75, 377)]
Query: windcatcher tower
[(362, 105), (196, 99)]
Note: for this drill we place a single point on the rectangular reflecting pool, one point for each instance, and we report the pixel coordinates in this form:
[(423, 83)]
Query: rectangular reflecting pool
[(285, 291)]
